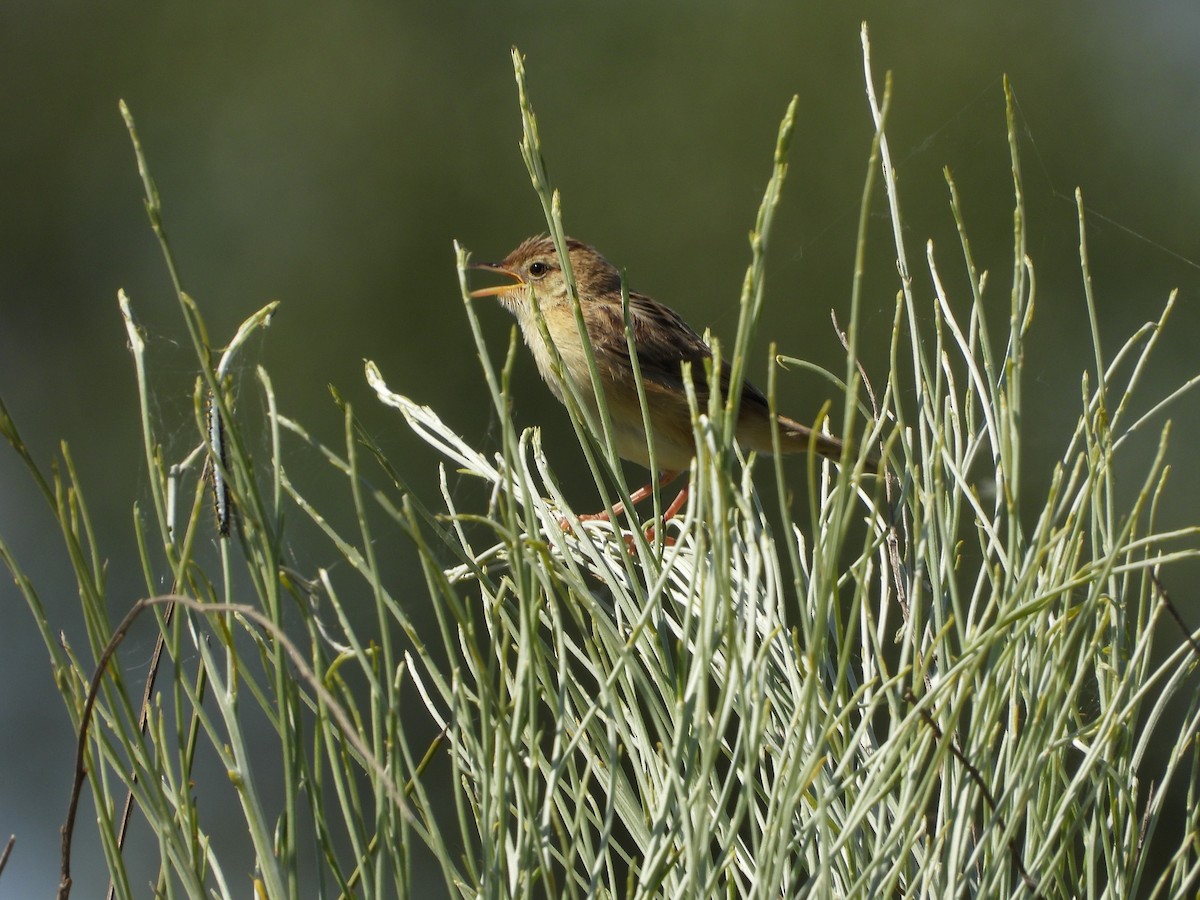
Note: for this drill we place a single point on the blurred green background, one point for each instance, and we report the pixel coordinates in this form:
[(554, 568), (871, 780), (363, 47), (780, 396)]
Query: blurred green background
[(327, 155)]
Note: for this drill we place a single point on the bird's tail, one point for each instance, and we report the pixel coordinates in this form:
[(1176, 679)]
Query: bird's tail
[(797, 438)]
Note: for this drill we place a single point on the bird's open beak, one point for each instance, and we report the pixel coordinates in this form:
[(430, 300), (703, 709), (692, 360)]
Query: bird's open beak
[(500, 289)]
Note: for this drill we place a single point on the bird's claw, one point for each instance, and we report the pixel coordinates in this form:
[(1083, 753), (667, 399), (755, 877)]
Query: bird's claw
[(565, 524)]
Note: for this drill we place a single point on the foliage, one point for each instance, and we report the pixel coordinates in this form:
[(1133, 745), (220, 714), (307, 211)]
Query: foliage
[(922, 688)]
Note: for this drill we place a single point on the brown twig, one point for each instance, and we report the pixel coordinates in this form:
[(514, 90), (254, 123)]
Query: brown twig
[(1145, 829), (143, 720), (890, 481), (977, 777), (1166, 601), (297, 658), (845, 341), (12, 839), (68, 829)]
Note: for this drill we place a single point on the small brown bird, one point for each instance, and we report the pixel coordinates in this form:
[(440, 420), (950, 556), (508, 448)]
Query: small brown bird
[(664, 342)]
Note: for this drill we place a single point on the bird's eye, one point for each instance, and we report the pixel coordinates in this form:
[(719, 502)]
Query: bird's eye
[(538, 269)]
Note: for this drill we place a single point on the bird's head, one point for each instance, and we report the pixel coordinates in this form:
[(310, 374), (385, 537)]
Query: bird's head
[(536, 271)]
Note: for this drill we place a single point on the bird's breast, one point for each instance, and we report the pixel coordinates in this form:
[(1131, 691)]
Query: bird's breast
[(560, 324)]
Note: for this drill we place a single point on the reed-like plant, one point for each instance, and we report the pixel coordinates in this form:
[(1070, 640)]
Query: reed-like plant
[(928, 683)]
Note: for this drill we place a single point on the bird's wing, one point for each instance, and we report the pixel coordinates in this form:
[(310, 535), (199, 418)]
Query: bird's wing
[(664, 343)]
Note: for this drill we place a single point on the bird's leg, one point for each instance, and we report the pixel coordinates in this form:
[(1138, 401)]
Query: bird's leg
[(676, 504), (636, 497), (668, 514)]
